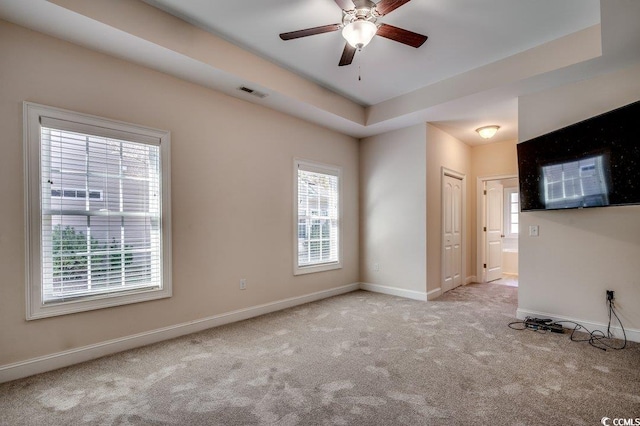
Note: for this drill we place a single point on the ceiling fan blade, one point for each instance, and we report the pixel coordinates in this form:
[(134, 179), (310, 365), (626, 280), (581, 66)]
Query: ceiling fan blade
[(401, 36), (388, 6), (347, 55), (345, 4), (310, 31)]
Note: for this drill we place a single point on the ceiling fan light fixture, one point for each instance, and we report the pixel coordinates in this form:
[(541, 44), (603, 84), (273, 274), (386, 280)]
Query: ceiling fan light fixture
[(487, 132), (359, 33)]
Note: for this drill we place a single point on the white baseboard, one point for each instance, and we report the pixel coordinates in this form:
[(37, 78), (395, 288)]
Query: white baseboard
[(394, 291), (409, 294), (57, 360), (471, 279), (632, 334), (434, 294)]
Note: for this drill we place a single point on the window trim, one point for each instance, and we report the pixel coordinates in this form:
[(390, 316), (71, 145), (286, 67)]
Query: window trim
[(314, 166), (507, 212), (32, 114)]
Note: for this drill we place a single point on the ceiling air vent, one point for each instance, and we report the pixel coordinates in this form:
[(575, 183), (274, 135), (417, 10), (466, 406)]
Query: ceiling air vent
[(252, 92)]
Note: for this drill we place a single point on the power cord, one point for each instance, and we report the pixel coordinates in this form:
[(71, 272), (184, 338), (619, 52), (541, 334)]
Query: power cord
[(537, 324), (597, 339)]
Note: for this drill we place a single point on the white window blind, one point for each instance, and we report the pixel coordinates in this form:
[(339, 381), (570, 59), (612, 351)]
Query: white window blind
[(318, 216), (93, 245), (99, 212)]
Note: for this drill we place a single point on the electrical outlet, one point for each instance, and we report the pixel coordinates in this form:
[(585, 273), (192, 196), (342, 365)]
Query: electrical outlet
[(534, 230), (610, 295), (376, 267), (243, 284)]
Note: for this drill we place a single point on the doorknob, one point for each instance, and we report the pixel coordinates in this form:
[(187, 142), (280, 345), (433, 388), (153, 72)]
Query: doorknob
[(502, 236)]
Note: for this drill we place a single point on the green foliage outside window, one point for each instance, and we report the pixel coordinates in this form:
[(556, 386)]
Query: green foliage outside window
[(71, 255)]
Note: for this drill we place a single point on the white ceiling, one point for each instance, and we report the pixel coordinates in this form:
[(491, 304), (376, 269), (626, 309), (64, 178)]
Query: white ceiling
[(480, 56), (463, 35)]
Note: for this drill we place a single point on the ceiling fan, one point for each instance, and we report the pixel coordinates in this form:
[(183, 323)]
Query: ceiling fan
[(359, 26)]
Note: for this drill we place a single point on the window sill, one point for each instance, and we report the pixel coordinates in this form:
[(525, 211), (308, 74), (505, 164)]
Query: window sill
[(95, 302), (301, 270)]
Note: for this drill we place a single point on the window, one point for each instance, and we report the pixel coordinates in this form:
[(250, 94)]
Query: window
[(511, 207), (317, 215), (76, 193), (97, 199)]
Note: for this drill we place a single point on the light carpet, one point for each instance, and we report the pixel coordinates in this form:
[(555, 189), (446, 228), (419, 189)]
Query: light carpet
[(356, 359)]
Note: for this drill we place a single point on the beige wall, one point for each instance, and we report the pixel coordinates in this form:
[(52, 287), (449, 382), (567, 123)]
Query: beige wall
[(580, 253), (391, 167), (443, 150), (494, 159), (232, 185), (393, 216)]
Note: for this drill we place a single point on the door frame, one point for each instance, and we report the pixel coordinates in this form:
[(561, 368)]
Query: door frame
[(481, 222), (444, 171)]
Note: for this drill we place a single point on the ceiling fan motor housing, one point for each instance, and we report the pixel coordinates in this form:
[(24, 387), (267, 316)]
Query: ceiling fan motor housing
[(365, 10), (364, 4)]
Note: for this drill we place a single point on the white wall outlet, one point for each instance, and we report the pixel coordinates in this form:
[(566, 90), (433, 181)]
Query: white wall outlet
[(534, 230), (243, 284), (376, 267)]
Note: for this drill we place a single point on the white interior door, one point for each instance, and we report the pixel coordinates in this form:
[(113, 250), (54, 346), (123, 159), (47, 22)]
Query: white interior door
[(452, 232), (494, 234)]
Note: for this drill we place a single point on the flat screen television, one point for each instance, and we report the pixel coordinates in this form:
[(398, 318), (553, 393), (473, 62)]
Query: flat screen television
[(593, 163)]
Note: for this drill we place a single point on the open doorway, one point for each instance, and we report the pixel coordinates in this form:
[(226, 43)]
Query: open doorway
[(498, 229)]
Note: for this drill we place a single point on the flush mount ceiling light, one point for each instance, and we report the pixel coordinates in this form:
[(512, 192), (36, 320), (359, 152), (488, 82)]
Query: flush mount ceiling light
[(487, 132), (359, 33)]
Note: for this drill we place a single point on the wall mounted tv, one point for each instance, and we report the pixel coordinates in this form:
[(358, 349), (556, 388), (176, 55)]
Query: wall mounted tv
[(593, 163)]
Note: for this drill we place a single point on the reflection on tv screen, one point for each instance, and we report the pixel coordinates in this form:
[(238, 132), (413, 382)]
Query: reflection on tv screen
[(575, 184)]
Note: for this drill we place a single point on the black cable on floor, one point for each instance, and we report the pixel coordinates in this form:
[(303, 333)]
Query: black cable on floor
[(597, 339)]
